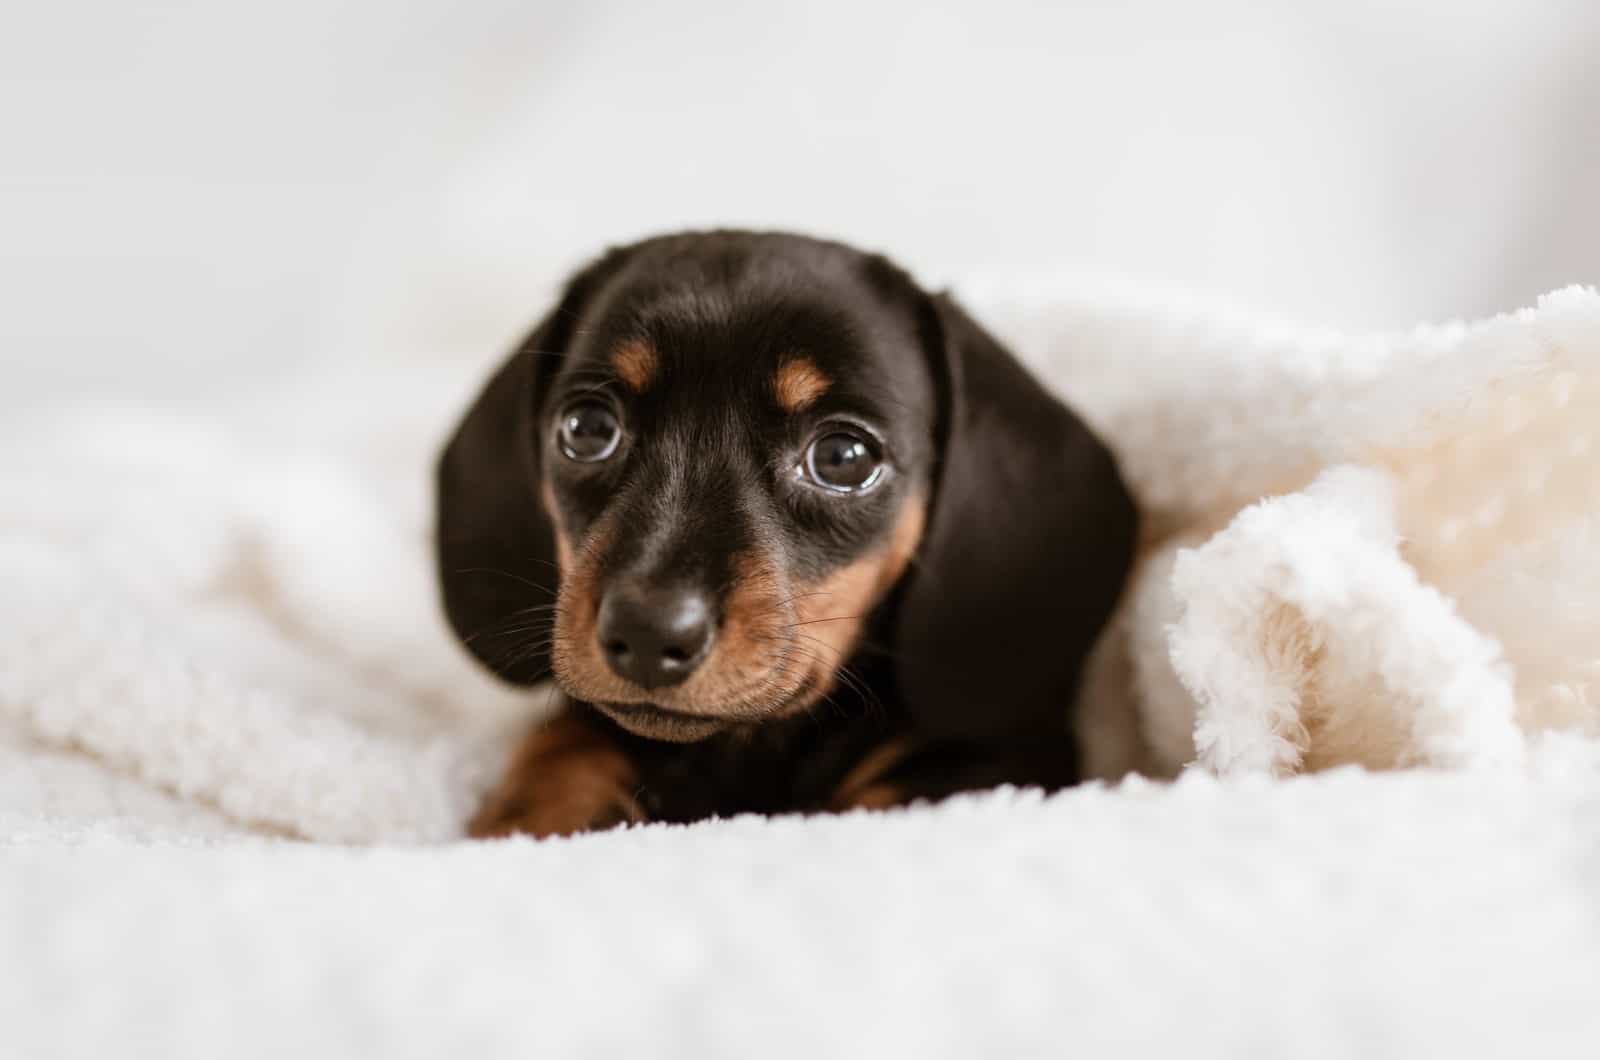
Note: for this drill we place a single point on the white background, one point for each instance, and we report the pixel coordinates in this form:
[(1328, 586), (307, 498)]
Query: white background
[(201, 195)]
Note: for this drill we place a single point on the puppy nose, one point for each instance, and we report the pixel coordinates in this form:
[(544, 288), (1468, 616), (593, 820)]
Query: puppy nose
[(654, 636)]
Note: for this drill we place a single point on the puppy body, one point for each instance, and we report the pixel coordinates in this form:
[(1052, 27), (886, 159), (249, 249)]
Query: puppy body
[(790, 533)]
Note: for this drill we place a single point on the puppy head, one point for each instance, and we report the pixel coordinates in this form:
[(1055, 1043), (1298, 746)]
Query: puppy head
[(697, 481)]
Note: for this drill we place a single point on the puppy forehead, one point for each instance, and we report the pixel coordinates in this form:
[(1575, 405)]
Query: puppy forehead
[(747, 346)]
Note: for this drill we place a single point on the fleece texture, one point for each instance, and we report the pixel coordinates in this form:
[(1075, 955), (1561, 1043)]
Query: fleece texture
[(237, 744), (1360, 549), (1339, 915)]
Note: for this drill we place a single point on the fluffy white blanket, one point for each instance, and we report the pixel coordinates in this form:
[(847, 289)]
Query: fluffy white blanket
[(220, 637)]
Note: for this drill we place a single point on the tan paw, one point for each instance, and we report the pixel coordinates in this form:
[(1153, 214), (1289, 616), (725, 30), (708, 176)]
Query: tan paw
[(568, 777)]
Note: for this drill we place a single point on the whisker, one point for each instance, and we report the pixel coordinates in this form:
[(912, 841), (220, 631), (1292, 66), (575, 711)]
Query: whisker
[(509, 626), (850, 679), (804, 596), (816, 621), (513, 576)]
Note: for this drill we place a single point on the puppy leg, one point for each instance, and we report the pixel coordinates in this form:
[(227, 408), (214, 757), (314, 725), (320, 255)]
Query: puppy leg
[(868, 786), (903, 770), (570, 776)]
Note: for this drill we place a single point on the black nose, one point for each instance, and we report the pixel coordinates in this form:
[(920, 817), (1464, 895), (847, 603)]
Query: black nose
[(654, 636)]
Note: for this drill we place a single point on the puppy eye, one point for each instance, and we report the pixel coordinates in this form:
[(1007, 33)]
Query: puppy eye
[(589, 432), (843, 461)]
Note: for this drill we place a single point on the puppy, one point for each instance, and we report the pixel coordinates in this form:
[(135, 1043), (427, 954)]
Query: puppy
[(790, 533)]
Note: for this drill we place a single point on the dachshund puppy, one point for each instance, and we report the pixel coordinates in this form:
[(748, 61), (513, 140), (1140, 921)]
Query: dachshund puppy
[(790, 533)]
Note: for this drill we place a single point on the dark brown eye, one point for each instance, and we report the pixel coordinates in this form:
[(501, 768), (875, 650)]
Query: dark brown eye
[(589, 432), (844, 462)]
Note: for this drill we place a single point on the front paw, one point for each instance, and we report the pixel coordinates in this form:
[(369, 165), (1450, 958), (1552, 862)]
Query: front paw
[(869, 785), (568, 777)]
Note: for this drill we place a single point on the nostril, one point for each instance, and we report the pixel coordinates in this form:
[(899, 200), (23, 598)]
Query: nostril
[(616, 648), (674, 656)]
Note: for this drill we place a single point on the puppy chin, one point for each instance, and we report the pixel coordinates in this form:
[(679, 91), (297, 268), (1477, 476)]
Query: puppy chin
[(656, 723)]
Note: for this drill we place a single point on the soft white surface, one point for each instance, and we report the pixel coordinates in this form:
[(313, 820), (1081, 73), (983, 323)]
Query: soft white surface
[(237, 607), (1327, 553), (1346, 915)]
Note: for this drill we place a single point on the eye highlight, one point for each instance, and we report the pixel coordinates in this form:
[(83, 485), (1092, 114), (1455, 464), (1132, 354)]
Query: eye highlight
[(843, 460), (589, 432)]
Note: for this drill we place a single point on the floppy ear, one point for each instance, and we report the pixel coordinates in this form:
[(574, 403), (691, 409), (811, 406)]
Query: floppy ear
[(1029, 540), (495, 544)]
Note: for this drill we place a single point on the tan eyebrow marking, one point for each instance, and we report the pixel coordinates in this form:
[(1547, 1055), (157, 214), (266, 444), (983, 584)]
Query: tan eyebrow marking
[(798, 384), (635, 364)]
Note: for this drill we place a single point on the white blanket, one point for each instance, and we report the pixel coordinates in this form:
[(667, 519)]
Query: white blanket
[(220, 636)]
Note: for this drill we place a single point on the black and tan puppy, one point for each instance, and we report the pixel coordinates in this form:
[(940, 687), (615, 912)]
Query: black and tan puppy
[(790, 533)]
